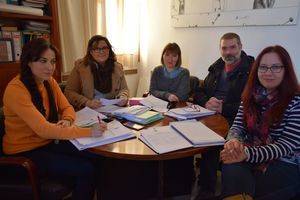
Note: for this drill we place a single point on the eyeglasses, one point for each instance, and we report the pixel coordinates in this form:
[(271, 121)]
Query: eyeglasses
[(101, 49), (273, 68)]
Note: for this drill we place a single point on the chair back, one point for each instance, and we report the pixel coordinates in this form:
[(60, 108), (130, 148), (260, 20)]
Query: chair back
[(2, 129), (194, 83)]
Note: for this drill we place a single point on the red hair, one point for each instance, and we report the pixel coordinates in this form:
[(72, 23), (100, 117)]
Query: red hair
[(287, 89)]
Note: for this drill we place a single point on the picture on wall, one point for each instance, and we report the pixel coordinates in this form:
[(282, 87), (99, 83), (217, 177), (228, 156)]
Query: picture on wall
[(198, 13)]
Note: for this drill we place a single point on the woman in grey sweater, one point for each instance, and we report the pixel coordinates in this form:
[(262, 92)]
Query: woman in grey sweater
[(170, 81)]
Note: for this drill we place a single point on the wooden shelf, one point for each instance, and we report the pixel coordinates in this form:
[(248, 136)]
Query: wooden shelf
[(11, 69), (15, 16), (10, 64)]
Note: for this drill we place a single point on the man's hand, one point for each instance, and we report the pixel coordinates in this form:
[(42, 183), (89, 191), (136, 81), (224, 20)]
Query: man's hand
[(194, 106), (95, 103), (214, 104), (173, 97)]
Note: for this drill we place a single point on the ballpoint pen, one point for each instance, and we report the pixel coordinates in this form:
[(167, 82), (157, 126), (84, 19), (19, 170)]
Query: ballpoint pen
[(99, 120)]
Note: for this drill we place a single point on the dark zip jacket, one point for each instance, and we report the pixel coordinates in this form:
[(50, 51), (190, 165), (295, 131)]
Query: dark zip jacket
[(237, 81)]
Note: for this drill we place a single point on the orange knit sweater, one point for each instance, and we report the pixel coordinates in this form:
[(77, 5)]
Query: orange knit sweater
[(25, 127)]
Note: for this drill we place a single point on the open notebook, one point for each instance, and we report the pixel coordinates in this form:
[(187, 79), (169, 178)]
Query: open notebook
[(197, 133), (115, 132), (155, 103), (87, 117), (163, 139), (179, 135)]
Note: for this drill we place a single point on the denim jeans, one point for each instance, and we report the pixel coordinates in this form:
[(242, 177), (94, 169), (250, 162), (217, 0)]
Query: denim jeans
[(279, 182), (63, 161)]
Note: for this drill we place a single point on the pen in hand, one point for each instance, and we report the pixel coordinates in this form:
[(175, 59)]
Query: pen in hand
[(98, 130), (99, 120)]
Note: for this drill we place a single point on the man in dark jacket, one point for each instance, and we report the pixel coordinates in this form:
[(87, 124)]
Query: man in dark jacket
[(221, 91)]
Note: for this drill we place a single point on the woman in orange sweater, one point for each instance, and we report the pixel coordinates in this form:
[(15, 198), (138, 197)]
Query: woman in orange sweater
[(36, 113)]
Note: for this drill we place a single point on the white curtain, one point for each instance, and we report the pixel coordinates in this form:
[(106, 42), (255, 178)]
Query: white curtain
[(118, 20), (123, 29), (78, 22)]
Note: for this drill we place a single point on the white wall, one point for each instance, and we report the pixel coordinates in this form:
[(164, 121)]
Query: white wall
[(200, 46), (132, 83)]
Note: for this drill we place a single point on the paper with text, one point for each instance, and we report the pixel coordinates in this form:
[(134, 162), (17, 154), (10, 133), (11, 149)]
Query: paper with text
[(163, 139)]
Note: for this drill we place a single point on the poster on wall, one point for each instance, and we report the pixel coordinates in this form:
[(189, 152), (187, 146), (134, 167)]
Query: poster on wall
[(198, 13)]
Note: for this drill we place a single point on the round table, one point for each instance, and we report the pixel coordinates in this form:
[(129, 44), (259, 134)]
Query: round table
[(134, 149)]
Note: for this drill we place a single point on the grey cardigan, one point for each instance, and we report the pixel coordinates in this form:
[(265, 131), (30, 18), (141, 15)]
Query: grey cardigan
[(162, 86)]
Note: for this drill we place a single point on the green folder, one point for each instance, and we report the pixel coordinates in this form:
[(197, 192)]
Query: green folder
[(145, 118)]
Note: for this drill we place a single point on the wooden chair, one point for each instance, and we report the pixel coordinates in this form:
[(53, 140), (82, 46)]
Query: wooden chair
[(19, 179)]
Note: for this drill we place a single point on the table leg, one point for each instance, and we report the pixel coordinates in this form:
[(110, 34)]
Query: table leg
[(160, 179)]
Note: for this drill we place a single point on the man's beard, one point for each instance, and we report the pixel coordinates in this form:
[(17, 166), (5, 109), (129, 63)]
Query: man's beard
[(230, 59)]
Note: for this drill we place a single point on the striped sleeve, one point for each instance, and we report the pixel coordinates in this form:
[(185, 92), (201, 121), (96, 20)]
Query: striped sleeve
[(286, 144), (237, 130)]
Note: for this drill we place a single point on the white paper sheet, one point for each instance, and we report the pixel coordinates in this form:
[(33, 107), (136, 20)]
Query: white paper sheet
[(163, 139), (115, 132), (87, 117)]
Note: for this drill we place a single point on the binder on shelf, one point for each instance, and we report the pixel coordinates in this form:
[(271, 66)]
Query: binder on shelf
[(17, 43), (29, 35), (6, 50), (6, 34)]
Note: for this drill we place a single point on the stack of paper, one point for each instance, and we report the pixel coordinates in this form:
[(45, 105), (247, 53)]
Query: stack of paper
[(87, 117), (20, 9), (180, 135), (139, 114), (132, 110), (108, 109), (108, 102), (197, 133), (163, 139), (188, 113), (155, 103), (115, 132)]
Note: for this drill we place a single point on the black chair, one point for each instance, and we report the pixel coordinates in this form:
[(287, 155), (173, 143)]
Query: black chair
[(19, 179), (62, 85), (194, 84)]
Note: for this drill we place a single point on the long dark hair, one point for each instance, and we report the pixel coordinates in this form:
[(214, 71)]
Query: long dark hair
[(287, 89), (102, 74), (31, 52)]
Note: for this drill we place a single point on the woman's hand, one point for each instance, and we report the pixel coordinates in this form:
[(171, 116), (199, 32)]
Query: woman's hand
[(234, 151), (173, 97), (95, 103), (64, 123), (123, 101), (98, 129)]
